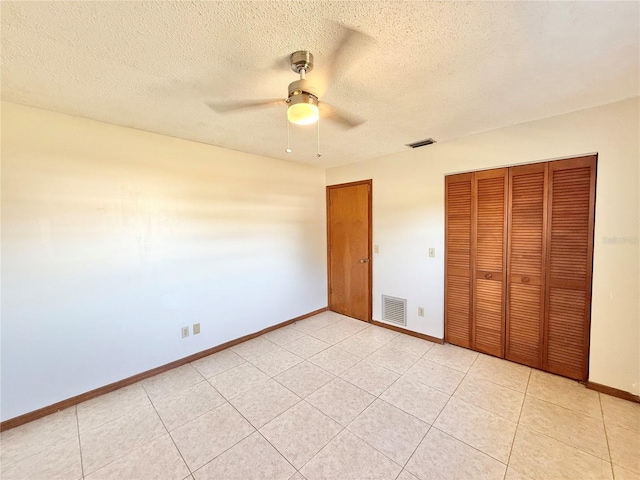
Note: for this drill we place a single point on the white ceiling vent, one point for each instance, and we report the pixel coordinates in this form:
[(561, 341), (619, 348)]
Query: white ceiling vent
[(394, 310), (421, 143)]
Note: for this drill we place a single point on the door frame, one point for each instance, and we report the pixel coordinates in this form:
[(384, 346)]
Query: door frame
[(369, 183)]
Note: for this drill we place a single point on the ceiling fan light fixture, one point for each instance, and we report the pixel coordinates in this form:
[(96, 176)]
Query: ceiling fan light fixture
[(303, 108)]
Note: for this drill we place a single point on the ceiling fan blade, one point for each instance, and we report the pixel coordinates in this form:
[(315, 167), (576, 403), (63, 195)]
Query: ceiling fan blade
[(225, 107), (344, 54), (342, 118)]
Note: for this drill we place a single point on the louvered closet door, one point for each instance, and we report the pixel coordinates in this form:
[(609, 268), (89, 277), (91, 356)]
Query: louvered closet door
[(569, 266), (525, 272), (490, 188), (457, 316)]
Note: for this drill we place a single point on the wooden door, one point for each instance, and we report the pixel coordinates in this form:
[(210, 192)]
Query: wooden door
[(525, 272), (349, 249), (489, 244), (569, 266), (458, 259)]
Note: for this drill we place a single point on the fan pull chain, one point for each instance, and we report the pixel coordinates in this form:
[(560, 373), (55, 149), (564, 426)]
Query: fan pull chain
[(288, 149), (318, 136)]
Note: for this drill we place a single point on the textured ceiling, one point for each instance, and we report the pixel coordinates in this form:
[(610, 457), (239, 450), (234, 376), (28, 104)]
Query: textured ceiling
[(441, 70)]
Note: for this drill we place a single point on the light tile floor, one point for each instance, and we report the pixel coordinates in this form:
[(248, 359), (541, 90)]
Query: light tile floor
[(332, 397)]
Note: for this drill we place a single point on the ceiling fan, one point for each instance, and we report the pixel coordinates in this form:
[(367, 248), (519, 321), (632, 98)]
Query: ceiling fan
[(303, 99)]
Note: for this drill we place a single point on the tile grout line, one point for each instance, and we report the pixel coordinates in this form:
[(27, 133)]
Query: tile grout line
[(321, 413), (119, 415), (400, 375), (230, 447), (574, 447), (257, 430), (310, 336), (473, 404), (308, 403), (79, 442), (452, 394), (135, 449), (540, 433), (152, 403), (404, 467), (224, 451), (325, 371), (31, 455), (382, 400), (524, 398), (316, 365), (197, 416), (498, 384), (456, 438), (606, 436), (222, 371), (571, 410), (345, 426), (326, 444), (282, 413), (274, 447), (421, 440), (472, 446), (563, 380), (273, 377), (330, 440), (203, 379), (167, 430), (360, 360), (579, 449), (432, 425)]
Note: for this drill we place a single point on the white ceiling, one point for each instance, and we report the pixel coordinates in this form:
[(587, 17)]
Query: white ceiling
[(441, 70)]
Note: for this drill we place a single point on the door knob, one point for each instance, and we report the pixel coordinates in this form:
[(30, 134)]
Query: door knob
[(364, 260), (525, 279), (487, 276)]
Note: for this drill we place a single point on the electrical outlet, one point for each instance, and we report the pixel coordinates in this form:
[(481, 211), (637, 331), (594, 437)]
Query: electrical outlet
[(185, 332), (432, 252), (421, 311), (196, 328), (376, 249)]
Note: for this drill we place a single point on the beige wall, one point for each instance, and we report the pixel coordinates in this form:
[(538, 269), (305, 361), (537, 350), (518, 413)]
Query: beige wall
[(114, 238), (408, 218)]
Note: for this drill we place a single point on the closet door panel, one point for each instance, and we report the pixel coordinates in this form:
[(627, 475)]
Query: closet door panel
[(488, 315), (526, 253), (458, 256), (489, 269), (569, 266), (566, 354)]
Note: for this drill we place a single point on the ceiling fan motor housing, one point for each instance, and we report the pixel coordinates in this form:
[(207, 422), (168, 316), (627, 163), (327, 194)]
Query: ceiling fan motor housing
[(301, 60)]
